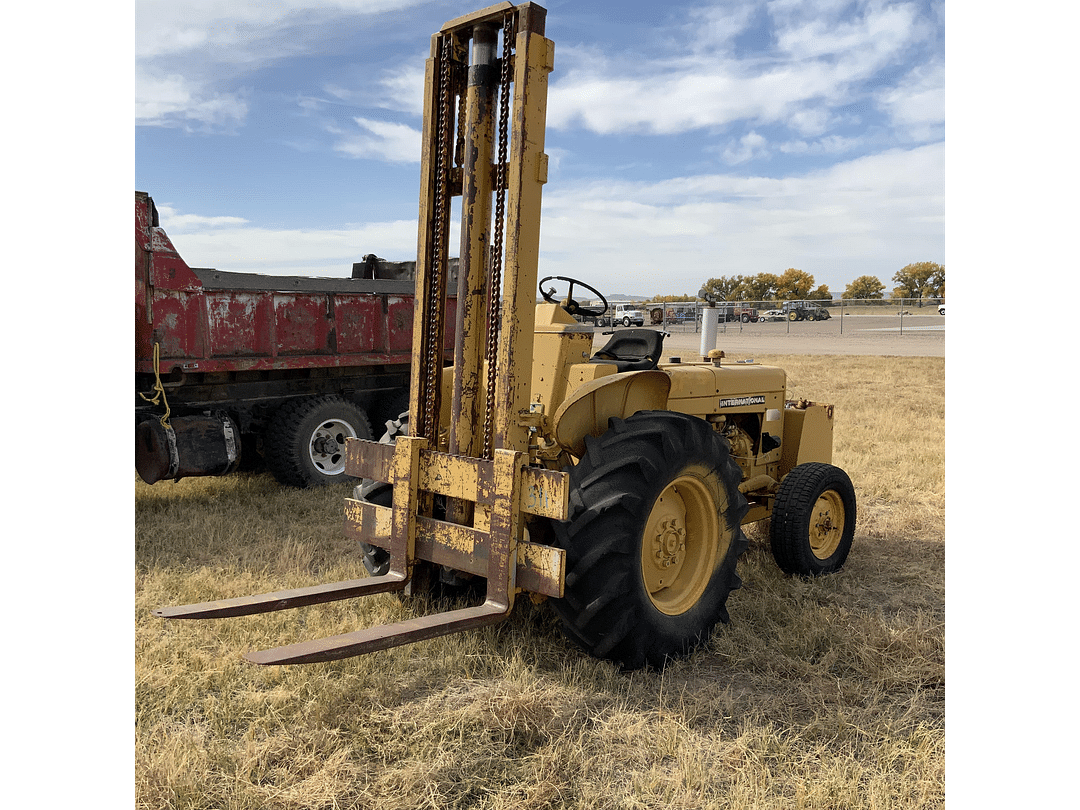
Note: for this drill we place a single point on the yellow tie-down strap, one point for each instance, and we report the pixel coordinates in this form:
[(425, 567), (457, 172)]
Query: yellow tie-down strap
[(541, 492)]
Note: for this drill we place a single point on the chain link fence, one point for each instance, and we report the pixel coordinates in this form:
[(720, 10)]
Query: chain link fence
[(686, 317)]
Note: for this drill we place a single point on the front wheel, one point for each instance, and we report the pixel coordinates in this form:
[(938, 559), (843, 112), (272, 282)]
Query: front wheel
[(652, 539), (306, 440), (813, 521)]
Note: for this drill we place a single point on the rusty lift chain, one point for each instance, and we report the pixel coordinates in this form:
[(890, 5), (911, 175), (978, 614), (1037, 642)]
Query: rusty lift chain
[(432, 360), (496, 263)]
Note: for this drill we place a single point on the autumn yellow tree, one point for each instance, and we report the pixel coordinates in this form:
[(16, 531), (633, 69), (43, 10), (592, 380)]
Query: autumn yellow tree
[(761, 287), (864, 287), (920, 280), (723, 288), (794, 285), (667, 299)]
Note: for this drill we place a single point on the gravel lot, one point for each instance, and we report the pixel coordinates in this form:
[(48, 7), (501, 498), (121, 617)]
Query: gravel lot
[(923, 336)]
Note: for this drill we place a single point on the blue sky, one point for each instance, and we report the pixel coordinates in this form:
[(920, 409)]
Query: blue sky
[(687, 140)]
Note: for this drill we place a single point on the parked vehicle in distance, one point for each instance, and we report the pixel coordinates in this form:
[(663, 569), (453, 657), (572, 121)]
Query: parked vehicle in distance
[(805, 311), (941, 309), (627, 313), (730, 313), (772, 315)]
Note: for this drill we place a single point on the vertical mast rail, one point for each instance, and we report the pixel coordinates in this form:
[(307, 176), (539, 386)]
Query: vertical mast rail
[(533, 61)]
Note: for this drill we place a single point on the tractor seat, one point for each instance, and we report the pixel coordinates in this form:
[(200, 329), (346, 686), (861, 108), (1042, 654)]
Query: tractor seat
[(632, 350)]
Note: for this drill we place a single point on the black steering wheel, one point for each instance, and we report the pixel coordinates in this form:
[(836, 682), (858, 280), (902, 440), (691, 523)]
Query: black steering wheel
[(569, 304)]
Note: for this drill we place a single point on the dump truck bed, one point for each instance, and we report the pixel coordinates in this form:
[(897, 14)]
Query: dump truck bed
[(206, 320)]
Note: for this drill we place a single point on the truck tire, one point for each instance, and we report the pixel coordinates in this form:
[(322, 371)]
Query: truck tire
[(813, 521), (652, 539), (625, 321), (305, 440), (745, 318)]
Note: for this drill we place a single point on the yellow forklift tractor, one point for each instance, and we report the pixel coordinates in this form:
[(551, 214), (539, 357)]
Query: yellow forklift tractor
[(613, 484)]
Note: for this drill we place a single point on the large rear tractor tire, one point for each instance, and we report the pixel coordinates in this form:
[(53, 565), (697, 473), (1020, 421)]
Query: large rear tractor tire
[(652, 539), (305, 440), (813, 521)]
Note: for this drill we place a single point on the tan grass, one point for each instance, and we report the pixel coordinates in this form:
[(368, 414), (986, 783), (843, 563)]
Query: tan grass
[(825, 694)]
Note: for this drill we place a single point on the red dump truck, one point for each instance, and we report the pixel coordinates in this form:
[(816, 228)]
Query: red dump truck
[(235, 368)]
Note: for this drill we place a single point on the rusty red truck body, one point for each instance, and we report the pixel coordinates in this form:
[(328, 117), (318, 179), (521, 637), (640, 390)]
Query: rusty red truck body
[(241, 367)]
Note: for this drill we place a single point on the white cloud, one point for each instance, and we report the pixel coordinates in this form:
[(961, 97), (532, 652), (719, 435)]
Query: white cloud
[(288, 251), (817, 62), (162, 100), (175, 222), (166, 27), (749, 147), (869, 215), (917, 104), (186, 51), (828, 145), (381, 140)]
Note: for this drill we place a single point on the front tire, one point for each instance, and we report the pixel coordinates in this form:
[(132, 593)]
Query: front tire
[(306, 440), (652, 540), (813, 521)]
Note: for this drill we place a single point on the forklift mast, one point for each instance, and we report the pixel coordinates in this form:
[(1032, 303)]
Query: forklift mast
[(485, 100)]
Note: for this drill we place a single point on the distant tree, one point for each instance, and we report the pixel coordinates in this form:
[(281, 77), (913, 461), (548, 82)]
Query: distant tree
[(865, 287), (937, 281), (920, 280), (794, 285), (672, 298), (820, 294), (723, 288), (761, 287)]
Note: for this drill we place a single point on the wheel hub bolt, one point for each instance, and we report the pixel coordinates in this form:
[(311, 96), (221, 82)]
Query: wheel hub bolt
[(669, 543)]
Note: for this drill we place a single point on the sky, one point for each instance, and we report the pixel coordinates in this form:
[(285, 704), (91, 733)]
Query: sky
[(687, 141)]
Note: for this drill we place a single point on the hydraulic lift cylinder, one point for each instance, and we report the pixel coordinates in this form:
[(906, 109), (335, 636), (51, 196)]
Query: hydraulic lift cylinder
[(476, 204)]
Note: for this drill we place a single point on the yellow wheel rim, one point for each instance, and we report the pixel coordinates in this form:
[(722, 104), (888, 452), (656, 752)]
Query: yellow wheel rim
[(681, 545), (827, 524)]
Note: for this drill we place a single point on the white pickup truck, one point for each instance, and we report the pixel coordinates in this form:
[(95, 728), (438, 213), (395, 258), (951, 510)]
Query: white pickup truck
[(627, 313)]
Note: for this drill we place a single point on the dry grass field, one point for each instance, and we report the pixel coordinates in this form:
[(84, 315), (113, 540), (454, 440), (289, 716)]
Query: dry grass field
[(820, 694)]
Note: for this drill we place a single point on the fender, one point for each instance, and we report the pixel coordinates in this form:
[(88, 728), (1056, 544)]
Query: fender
[(587, 411)]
